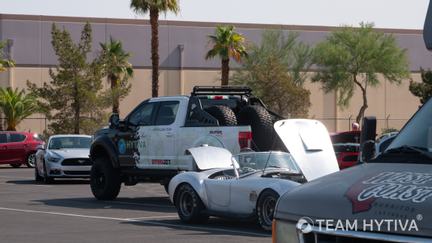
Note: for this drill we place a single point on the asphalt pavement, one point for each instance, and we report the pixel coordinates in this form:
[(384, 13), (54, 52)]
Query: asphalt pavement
[(67, 212)]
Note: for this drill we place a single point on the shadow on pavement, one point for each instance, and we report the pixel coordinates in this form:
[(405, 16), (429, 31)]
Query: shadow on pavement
[(56, 181), (148, 204), (215, 226)]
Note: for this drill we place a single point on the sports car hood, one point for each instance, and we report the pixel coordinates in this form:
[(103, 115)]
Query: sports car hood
[(71, 153), (365, 192), (208, 157), (308, 141)]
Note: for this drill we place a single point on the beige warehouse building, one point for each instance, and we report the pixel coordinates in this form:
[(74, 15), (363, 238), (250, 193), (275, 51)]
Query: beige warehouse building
[(182, 50)]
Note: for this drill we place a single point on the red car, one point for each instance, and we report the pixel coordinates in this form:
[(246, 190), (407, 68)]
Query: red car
[(346, 146), (18, 148)]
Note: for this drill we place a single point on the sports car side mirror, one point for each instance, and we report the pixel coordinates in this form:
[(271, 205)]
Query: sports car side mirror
[(114, 120)]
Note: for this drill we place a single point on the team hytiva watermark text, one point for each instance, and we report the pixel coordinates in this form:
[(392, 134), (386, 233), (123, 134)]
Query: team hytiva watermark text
[(307, 225)]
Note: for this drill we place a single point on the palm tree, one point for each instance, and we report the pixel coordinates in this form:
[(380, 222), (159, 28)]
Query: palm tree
[(16, 106), (226, 44), (154, 7), (117, 67), (4, 61)]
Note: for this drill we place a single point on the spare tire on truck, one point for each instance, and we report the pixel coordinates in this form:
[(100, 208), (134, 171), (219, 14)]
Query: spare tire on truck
[(223, 114), (261, 123)]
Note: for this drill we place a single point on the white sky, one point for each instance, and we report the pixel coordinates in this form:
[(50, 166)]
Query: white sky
[(402, 14)]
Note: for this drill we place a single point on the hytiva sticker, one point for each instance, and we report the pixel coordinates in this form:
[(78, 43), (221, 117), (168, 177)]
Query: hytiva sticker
[(121, 144), (401, 186)]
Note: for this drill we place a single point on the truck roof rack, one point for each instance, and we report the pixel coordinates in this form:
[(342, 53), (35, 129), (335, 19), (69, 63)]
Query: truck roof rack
[(221, 90)]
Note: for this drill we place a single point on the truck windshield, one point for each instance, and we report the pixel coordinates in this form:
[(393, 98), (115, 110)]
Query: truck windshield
[(416, 135)]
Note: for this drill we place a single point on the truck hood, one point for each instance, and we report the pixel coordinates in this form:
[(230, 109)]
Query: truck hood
[(375, 191), (70, 153), (209, 157), (308, 141)]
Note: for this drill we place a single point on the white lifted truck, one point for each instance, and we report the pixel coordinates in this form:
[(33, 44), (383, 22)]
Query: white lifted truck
[(152, 142)]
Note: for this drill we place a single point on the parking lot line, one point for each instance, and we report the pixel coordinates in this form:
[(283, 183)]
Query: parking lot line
[(152, 217), (144, 220), (61, 214)]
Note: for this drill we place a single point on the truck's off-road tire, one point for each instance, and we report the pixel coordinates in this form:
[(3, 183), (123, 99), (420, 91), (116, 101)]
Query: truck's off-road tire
[(223, 114), (105, 180), (189, 205), (261, 122), (265, 208)]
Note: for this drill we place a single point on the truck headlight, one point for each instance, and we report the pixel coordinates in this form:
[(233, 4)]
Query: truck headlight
[(284, 232)]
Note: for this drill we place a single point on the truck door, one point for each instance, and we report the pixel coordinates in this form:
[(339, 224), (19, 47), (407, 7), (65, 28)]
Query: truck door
[(161, 137), (132, 138)]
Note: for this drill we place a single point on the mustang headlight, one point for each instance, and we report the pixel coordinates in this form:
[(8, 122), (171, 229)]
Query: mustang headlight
[(52, 158)]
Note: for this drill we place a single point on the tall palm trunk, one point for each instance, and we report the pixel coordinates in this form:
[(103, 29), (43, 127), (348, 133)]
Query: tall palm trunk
[(116, 100), (154, 17), (225, 71)]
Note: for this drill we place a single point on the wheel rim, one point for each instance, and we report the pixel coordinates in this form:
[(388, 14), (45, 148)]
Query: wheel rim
[(31, 160), (99, 179), (186, 204), (268, 210)]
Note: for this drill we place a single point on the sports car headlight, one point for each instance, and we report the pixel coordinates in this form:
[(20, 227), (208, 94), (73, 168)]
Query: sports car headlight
[(284, 232), (53, 159)]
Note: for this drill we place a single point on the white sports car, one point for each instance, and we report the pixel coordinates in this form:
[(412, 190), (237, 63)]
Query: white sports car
[(249, 184), (65, 156)]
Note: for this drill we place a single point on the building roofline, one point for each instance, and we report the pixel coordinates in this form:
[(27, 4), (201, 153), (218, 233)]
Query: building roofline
[(190, 23)]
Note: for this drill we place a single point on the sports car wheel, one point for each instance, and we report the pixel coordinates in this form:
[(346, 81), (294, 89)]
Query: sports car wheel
[(31, 160), (46, 178), (105, 181), (265, 208), (38, 178), (189, 205)]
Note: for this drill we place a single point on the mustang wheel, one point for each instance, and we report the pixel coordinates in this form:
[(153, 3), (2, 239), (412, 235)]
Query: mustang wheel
[(38, 178), (189, 205), (31, 160), (105, 181), (46, 178), (265, 208)]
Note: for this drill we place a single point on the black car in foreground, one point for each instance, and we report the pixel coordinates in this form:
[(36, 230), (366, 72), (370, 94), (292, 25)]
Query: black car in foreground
[(386, 199)]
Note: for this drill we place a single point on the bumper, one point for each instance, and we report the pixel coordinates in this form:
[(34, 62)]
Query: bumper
[(59, 170)]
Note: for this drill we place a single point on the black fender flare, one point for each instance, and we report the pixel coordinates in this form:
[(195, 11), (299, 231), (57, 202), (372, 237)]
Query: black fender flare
[(104, 145)]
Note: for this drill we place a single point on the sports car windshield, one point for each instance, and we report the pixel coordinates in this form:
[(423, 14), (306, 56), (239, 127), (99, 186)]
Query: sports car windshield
[(415, 138), (268, 161), (70, 143)]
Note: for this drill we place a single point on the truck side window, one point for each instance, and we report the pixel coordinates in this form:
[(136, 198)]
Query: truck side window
[(143, 115), (167, 112)]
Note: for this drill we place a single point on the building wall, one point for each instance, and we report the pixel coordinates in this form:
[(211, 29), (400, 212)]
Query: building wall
[(183, 46), (385, 101)]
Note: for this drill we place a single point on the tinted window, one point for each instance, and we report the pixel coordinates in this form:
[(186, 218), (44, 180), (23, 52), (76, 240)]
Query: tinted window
[(167, 112), (16, 137), (142, 115), (69, 143), (3, 138)]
